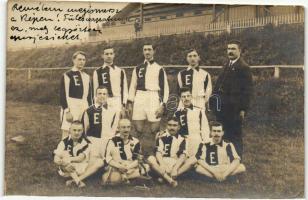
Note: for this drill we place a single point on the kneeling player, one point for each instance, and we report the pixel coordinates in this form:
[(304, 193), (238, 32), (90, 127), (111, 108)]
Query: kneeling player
[(170, 152), (72, 154), (123, 156), (217, 159)]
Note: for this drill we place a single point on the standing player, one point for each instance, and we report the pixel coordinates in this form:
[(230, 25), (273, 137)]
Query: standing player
[(196, 79), (148, 94), (170, 152), (217, 159), (72, 154), (193, 122), (122, 155), (75, 93), (114, 79), (100, 123)]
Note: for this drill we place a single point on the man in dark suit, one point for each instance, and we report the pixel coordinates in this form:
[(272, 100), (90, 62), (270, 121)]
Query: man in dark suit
[(233, 90)]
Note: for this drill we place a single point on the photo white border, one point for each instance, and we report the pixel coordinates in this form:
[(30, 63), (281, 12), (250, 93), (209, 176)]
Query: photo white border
[(3, 33)]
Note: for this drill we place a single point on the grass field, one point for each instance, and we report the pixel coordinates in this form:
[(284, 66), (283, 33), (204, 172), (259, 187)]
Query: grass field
[(274, 161)]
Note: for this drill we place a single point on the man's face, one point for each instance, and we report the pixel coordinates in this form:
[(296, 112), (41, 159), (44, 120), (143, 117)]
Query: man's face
[(101, 96), (186, 99), (79, 61), (233, 51), (76, 131), (193, 58), (148, 52), (173, 127), (217, 134), (124, 127), (108, 56)]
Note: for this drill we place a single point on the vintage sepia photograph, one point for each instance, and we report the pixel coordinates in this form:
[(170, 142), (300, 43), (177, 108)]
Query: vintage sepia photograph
[(138, 99)]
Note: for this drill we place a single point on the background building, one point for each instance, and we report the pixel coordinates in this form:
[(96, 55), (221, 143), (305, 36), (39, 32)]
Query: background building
[(166, 19)]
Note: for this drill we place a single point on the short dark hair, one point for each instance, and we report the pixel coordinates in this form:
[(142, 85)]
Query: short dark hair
[(101, 87), (215, 124), (184, 89), (108, 47), (191, 50), (77, 53), (76, 122), (149, 43), (173, 118), (237, 42)]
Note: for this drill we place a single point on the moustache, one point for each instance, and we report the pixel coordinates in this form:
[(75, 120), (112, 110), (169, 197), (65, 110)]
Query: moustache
[(230, 54)]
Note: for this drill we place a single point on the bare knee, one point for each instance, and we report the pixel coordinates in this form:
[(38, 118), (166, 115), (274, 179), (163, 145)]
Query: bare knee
[(191, 161), (96, 163), (241, 168), (198, 169), (151, 160)]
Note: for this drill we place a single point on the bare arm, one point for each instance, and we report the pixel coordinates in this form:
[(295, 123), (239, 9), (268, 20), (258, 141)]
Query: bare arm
[(58, 160), (179, 162), (78, 159), (132, 165), (160, 160), (203, 164), (235, 163)]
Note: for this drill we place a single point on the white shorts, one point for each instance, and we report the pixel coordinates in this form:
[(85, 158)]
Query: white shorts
[(76, 108), (141, 169), (192, 144), (145, 105), (170, 163), (97, 147), (115, 103)]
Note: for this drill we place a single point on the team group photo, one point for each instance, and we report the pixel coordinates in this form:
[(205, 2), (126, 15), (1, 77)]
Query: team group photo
[(207, 111)]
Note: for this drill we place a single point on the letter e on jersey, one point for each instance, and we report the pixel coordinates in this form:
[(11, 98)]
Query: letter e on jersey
[(182, 120), (188, 79), (76, 80), (104, 77), (212, 158), (96, 118), (140, 74)]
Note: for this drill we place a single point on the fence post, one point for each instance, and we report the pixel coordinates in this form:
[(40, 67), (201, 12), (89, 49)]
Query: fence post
[(228, 28), (29, 74), (276, 72)]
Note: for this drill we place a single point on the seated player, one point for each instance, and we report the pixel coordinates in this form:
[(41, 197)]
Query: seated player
[(217, 159), (170, 152), (100, 122), (72, 154), (123, 155)]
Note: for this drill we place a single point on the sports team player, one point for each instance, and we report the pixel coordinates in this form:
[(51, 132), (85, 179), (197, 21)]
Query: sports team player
[(75, 93), (100, 122), (170, 152), (196, 79), (72, 154), (193, 122), (123, 155), (217, 159), (114, 79), (148, 94)]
